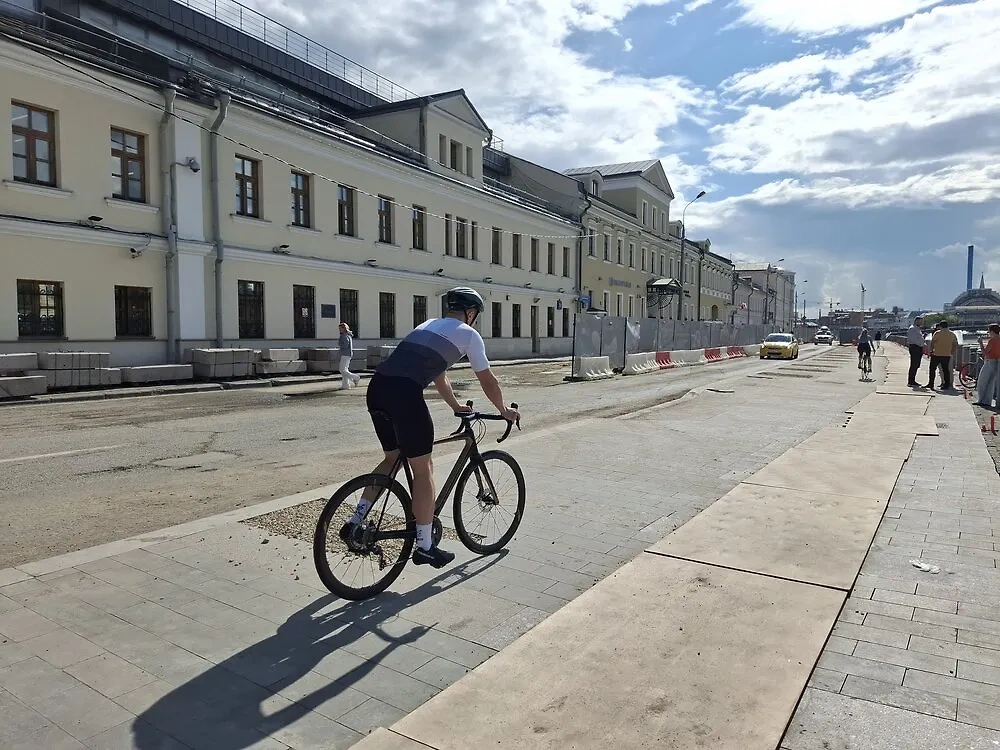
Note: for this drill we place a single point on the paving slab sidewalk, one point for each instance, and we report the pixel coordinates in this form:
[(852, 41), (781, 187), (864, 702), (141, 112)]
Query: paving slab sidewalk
[(914, 659), (224, 638)]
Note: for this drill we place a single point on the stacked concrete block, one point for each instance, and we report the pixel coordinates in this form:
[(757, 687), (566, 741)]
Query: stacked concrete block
[(18, 364), (76, 369), (156, 373), (280, 362), (322, 359), (22, 386), (222, 363)]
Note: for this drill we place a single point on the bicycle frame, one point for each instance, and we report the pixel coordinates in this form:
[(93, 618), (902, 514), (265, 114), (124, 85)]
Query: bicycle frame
[(469, 453)]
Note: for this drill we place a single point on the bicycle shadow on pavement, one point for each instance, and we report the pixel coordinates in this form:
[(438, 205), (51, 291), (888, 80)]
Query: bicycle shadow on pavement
[(224, 707)]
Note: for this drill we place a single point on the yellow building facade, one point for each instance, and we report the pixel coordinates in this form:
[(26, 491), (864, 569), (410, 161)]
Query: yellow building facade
[(128, 225)]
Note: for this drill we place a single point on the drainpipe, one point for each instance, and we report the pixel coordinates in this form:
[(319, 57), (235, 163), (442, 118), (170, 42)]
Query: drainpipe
[(422, 135), (169, 211), (213, 165)]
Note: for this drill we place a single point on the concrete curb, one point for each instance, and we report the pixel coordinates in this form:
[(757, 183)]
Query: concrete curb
[(225, 385)]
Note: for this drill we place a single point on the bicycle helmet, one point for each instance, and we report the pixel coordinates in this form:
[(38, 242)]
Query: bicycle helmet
[(463, 298)]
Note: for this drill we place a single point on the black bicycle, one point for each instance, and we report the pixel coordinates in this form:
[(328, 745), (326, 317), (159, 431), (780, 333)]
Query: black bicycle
[(382, 543)]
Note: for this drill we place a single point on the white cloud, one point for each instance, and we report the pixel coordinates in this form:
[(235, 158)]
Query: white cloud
[(547, 101), (819, 18), (628, 45), (922, 125)]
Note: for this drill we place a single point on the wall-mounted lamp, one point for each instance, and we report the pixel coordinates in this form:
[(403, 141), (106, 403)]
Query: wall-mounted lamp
[(281, 249), (488, 280), (528, 285), (439, 272), (371, 263), (561, 290), (537, 299)]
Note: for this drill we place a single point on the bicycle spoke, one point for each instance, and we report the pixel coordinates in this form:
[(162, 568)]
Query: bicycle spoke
[(363, 562)]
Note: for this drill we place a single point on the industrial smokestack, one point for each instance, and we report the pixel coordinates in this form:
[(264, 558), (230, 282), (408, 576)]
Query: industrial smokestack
[(968, 285)]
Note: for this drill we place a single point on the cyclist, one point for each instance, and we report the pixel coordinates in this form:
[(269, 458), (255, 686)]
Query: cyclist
[(400, 415), (864, 346)]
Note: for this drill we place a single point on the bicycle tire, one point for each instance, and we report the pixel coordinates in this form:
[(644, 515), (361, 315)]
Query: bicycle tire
[(463, 533), (326, 574), (968, 382)]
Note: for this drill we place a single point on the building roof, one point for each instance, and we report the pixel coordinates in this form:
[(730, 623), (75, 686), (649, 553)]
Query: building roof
[(421, 101), (614, 170)]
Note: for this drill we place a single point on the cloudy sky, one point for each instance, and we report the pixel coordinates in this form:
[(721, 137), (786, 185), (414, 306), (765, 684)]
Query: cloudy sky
[(857, 139)]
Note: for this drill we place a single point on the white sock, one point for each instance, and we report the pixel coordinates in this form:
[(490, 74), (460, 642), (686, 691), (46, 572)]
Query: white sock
[(424, 536), (360, 511)]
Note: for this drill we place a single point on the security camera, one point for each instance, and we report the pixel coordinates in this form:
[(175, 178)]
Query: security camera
[(135, 252), (193, 165)]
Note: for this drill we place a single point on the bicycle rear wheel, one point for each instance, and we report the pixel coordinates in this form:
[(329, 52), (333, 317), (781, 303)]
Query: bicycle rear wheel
[(487, 516), (364, 562), (965, 378)]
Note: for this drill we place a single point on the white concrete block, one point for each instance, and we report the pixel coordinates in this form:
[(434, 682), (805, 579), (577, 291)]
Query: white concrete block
[(321, 365), (213, 370), (49, 375), (156, 373), (281, 368), (55, 360), (110, 376), (21, 387), (321, 354), (279, 355), (10, 363)]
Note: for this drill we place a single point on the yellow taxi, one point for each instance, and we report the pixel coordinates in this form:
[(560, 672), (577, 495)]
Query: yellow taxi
[(779, 346)]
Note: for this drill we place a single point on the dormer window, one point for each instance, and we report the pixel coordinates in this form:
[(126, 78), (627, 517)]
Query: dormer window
[(595, 188)]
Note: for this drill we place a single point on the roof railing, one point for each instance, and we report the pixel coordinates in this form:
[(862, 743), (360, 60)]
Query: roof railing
[(277, 35)]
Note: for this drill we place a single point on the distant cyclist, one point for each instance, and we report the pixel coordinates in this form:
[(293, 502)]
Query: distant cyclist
[(878, 339), (864, 346), (400, 415)]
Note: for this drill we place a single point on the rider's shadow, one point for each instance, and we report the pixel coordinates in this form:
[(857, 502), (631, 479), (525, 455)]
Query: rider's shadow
[(234, 704)]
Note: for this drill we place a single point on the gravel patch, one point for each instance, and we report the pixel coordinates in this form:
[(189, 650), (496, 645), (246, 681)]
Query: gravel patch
[(299, 521)]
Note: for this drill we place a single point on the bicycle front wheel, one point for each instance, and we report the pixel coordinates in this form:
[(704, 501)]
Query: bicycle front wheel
[(489, 502), (358, 561), (965, 378)]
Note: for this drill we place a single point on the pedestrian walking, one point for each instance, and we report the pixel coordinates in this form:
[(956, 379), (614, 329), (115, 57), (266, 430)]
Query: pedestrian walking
[(348, 379), (878, 339), (989, 374), (915, 342), (943, 345)]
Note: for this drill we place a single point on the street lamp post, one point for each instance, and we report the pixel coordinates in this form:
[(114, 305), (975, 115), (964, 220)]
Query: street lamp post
[(804, 281), (767, 291), (680, 297)]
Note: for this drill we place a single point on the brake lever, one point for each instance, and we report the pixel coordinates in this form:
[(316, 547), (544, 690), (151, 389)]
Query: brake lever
[(510, 426)]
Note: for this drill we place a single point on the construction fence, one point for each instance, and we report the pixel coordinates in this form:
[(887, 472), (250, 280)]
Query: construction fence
[(614, 337)]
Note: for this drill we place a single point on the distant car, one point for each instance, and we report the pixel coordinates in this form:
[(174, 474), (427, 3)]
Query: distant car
[(780, 346), (823, 337)]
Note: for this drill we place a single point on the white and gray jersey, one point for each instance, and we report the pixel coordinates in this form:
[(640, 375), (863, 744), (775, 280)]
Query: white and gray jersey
[(432, 347)]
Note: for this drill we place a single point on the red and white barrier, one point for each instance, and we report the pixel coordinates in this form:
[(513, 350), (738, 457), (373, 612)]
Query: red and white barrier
[(735, 351)]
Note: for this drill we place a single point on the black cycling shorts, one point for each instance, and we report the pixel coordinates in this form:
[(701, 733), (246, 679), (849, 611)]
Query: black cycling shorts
[(400, 415), (864, 348)]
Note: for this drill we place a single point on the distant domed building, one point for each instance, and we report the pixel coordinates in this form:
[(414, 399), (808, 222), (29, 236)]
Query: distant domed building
[(976, 308)]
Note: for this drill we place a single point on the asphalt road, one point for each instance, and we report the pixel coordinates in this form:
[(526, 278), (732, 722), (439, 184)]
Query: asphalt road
[(75, 475)]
